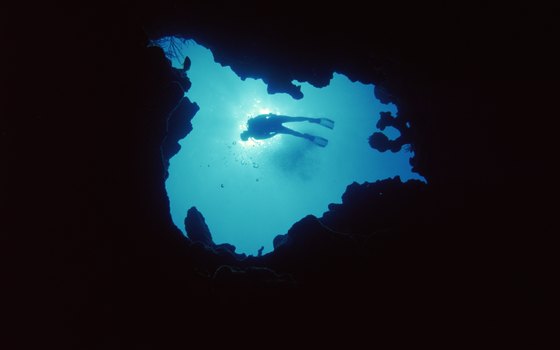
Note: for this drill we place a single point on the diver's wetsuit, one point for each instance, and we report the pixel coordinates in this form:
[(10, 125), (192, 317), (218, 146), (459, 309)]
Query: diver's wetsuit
[(265, 126)]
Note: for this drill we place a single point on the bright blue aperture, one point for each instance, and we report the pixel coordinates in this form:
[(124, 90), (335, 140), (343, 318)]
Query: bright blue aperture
[(251, 191)]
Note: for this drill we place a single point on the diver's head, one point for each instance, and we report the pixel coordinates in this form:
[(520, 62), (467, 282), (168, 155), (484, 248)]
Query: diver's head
[(244, 135)]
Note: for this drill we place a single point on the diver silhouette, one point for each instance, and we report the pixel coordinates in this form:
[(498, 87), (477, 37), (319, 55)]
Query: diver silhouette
[(265, 126)]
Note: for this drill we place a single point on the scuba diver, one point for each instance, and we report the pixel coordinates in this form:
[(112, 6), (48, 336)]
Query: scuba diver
[(265, 126)]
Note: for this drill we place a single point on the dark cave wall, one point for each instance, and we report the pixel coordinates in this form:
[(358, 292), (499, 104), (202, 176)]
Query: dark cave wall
[(87, 239)]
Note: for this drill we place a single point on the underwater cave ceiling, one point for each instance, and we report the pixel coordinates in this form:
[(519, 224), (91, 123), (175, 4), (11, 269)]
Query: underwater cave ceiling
[(415, 74), (412, 73), (434, 76), (101, 228)]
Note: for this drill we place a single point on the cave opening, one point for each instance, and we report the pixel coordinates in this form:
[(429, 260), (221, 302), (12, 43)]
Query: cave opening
[(250, 191)]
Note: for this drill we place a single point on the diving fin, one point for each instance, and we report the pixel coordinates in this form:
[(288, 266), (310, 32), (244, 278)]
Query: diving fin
[(326, 123), (319, 141)]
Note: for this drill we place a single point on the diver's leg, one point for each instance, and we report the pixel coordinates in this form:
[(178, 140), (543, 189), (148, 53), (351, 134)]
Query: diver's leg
[(319, 141), (288, 131), (305, 119), (287, 119), (328, 123)]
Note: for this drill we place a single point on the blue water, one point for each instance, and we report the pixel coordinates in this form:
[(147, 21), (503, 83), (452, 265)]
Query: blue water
[(251, 191)]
